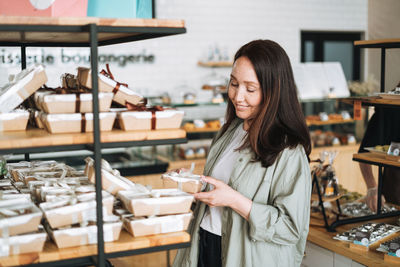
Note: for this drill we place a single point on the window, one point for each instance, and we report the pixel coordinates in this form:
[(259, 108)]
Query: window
[(333, 46)]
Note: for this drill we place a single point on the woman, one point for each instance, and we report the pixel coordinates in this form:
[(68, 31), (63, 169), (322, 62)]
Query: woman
[(256, 210)]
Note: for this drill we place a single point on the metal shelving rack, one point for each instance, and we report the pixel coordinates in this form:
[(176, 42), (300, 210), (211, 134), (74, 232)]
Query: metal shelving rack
[(26, 32), (366, 157)]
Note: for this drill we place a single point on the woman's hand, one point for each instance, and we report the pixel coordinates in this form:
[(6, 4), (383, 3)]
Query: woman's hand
[(224, 196)]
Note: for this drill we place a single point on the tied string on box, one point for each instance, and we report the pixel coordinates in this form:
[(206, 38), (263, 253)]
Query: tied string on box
[(67, 90), (109, 74), (142, 107)]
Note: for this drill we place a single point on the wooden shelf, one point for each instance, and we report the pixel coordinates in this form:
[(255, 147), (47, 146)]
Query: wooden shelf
[(324, 199), (321, 237), (379, 43), (68, 31), (126, 243), (328, 122), (376, 159), (371, 101), (36, 138), (203, 130), (215, 64)]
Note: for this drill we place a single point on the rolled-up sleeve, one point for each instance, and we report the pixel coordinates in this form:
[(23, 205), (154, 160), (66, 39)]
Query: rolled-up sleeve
[(286, 215)]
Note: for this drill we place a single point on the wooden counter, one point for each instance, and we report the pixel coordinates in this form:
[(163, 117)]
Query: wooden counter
[(124, 243), (321, 237)]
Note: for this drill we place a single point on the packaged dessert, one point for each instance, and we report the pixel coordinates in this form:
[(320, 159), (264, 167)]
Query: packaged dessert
[(106, 83), (78, 235), (53, 103), (156, 202), (111, 180), (76, 122), (391, 247), (18, 216), (141, 226), (14, 120), (68, 210), (150, 120), (367, 234), (21, 86), (185, 181), (22, 243)]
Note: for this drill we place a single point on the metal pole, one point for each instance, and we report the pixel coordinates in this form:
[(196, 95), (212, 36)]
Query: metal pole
[(97, 144), (23, 66), (383, 61), (23, 57)]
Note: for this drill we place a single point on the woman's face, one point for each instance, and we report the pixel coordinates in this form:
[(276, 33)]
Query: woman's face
[(244, 89)]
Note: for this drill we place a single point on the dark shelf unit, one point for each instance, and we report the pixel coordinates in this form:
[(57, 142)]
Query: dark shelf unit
[(378, 103), (26, 32)]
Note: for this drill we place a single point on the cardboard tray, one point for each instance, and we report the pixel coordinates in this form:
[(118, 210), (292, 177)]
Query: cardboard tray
[(19, 224), (142, 120), (157, 225), (80, 236), (122, 94), (21, 86), (14, 121), (188, 185), (72, 123), (110, 182), (71, 103), (77, 213), (166, 201), (20, 244)]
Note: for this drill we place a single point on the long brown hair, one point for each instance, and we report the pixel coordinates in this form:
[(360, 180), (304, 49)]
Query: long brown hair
[(280, 122)]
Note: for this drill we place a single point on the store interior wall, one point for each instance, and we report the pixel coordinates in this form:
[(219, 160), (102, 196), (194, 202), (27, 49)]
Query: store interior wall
[(383, 23), (227, 24)]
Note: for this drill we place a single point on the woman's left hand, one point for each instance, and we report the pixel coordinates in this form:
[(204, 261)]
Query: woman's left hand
[(222, 194)]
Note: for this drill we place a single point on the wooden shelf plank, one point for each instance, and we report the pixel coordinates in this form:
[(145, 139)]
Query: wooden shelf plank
[(81, 21), (329, 199), (328, 122), (203, 130), (371, 101), (41, 138), (376, 159), (215, 64), (377, 42), (69, 30), (126, 242)]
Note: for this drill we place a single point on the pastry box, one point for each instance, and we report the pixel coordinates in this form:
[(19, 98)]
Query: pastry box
[(71, 103), (157, 202), (20, 244), (122, 93), (21, 86), (140, 226), (14, 121)]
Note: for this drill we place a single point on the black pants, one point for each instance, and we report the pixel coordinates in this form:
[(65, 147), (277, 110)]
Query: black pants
[(209, 250)]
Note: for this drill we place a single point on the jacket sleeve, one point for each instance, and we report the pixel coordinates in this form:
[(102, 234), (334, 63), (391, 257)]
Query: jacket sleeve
[(286, 216)]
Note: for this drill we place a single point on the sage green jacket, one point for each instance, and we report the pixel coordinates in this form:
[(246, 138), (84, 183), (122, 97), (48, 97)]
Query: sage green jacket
[(276, 232)]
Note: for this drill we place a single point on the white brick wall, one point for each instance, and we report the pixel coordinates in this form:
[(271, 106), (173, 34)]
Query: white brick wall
[(228, 23)]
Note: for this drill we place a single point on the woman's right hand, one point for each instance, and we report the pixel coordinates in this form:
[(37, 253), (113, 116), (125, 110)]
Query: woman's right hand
[(372, 199)]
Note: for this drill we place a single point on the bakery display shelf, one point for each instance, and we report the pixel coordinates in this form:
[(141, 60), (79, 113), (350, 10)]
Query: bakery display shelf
[(38, 140), (83, 255), (23, 32), (326, 199), (328, 122), (377, 159), (215, 64), (372, 101), (201, 133), (73, 32), (379, 43)]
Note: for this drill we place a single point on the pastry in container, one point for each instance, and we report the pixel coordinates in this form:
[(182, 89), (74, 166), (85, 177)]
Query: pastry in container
[(185, 181)]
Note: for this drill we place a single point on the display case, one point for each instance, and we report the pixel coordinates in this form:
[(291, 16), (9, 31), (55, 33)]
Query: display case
[(87, 32), (372, 158)]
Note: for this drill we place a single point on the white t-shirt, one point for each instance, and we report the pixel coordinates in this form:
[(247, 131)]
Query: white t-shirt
[(222, 171)]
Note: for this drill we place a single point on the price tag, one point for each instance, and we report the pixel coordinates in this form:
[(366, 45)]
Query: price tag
[(357, 110)]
